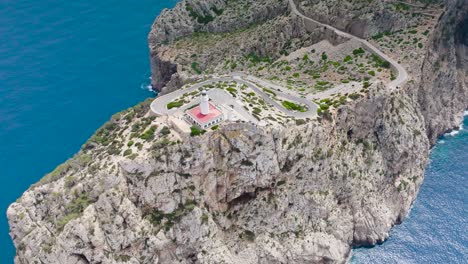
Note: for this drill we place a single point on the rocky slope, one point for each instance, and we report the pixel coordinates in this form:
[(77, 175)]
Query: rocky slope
[(442, 91), (201, 17), (139, 192), (365, 18)]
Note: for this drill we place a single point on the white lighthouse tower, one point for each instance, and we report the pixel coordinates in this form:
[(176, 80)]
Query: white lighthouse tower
[(204, 104)]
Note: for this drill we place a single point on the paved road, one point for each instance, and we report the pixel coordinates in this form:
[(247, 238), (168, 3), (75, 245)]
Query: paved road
[(402, 74), (159, 105), (280, 91)]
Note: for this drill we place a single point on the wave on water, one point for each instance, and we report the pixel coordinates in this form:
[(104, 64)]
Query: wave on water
[(453, 133), (456, 131), (146, 86)]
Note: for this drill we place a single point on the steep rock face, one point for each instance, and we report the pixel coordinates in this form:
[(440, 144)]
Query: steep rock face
[(219, 52), (214, 16), (443, 89), (242, 194), (363, 18)]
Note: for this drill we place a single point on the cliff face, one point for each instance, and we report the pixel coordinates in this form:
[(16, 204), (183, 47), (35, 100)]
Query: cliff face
[(442, 91), (139, 192), (238, 195), (201, 17), (364, 18)]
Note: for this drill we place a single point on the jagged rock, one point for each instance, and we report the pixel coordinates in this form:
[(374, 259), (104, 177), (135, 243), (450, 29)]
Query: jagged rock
[(246, 194)]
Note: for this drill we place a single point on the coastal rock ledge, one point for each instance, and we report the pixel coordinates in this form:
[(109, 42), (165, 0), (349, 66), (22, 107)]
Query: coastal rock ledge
[(139, 191)]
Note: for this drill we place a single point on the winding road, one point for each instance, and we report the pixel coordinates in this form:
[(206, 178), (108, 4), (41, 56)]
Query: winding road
[(159, 105), (402, 76)]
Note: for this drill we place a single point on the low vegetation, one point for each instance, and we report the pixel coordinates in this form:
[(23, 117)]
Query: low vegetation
[(293, 106), (196, 131)]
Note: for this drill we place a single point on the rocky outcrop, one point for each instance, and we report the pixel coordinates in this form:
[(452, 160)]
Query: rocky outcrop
[(241, 194), (363, 18), (443, 92), (199, 17), (139, 192)]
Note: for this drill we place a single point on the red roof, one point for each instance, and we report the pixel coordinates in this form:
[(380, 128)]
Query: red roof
[(204, 119)]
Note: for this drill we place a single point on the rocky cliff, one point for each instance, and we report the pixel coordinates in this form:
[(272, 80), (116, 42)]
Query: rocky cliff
[(202, 17), (442, 91), (140, 192)]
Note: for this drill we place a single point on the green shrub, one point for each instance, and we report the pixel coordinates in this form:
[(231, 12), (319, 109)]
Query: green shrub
[(148, 135), (127, 152), (380, 62), (165, 131), (175, 104), (254, 58), (358, 51), (268, 91), (401, 6), (348, 58), (324, 107), (130, 143), (354, 96), (324, 56), (231, 90), (196, 131), (195, 68), (204, 218), (371, 73), (214, 127), (385, 64), (380, 35), (292, 106), (74, 210), (157, 217), (217, 11), (202, 19)]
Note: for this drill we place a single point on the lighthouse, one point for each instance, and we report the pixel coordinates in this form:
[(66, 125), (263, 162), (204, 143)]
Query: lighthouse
[(204, 104), (206, 114)]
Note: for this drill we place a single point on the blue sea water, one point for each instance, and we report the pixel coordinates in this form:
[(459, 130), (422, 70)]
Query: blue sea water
[(65, 68), (436, 229)]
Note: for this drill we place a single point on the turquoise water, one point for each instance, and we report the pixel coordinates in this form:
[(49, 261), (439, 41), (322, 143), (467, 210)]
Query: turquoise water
[(65, 68), (436, 229)]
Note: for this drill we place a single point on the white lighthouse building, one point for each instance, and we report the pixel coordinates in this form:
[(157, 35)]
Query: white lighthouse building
[(206, 114), (204, 104)]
